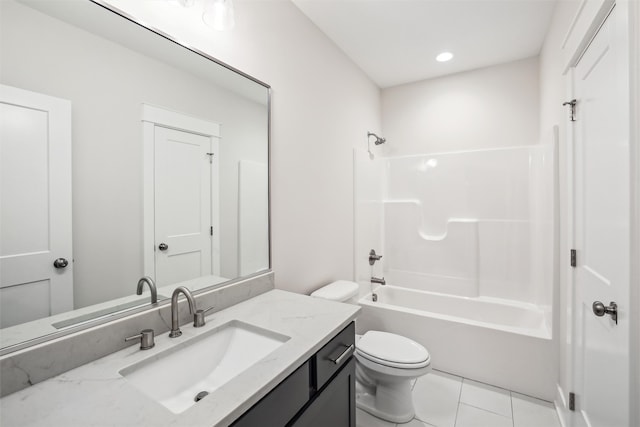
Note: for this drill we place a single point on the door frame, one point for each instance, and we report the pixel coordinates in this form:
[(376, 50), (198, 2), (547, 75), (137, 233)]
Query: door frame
[(153, 116), (589, 17)]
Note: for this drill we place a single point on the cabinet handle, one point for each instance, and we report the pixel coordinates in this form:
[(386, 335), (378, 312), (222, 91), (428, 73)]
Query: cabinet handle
[(346, 353)]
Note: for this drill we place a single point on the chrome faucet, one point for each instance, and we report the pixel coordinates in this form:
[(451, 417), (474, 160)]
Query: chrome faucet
[(175, 326), (149, 281), (377, 280)]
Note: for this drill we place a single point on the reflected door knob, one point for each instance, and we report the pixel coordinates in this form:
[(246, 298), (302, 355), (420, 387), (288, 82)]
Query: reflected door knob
[(163, 246), (599, 309), (60, 263)]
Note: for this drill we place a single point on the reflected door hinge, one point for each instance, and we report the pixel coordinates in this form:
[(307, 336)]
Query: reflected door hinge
[(572, 112), (572, 401), (573, 258)]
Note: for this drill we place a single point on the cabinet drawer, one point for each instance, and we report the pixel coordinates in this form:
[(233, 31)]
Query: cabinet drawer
[(279, 406), (334, 355)]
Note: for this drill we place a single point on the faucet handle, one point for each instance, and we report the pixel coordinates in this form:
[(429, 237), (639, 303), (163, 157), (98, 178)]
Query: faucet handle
[(146, 337), (373, 257), (198, 317)]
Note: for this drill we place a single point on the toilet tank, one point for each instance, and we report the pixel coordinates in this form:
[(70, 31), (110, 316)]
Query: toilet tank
[(341, 290)]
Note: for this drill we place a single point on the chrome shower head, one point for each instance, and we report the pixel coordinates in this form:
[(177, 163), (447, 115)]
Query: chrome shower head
[(378, 140)]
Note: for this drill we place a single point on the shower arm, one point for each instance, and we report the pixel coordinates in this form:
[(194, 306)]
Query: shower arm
[(379, 140)]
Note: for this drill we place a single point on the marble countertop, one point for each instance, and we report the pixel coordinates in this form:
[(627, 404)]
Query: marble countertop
[(95, 394)]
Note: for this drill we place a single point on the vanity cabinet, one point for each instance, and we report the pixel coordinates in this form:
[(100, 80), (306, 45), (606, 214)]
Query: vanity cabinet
[(319, 393)]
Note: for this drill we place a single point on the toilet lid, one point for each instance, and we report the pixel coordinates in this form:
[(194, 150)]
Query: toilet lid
[(383, 347)]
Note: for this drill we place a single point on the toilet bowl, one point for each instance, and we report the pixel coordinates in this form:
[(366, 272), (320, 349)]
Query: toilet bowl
[(386, 364)]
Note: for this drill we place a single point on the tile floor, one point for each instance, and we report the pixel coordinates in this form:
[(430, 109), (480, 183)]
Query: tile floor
[(445, 400)]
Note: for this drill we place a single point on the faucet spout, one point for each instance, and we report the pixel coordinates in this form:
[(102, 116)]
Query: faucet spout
[(175, 326), (152, 286), (378, 280)]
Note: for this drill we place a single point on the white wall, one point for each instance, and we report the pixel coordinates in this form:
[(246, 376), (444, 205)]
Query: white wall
[(323, 106), (490, 107)]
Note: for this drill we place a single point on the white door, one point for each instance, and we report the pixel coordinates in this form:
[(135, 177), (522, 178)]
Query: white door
[(35, 206), (602, 229), (183, 174)]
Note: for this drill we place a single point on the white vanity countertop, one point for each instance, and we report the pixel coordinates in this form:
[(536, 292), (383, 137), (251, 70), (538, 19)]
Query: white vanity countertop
[(97, 395)]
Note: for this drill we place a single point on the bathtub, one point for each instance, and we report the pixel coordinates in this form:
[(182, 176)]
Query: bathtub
[(499, 342)]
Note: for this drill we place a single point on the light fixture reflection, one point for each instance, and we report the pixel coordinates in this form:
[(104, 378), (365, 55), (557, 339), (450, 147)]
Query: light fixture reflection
[(444, 57), (219, 15)]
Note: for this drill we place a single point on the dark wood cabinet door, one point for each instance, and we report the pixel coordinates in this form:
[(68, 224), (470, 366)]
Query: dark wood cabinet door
[(335, 404)]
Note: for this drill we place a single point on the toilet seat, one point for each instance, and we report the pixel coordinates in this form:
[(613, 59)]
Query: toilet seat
[(392, 350)]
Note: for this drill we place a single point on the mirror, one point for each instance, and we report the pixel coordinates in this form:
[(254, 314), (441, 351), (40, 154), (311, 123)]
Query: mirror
[(124, 154)]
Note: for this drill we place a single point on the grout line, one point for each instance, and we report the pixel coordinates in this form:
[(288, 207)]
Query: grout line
[(485, 410), (455, 421), (513, 415)]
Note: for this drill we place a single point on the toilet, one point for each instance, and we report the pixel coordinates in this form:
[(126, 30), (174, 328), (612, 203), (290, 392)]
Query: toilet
[(386, 364)]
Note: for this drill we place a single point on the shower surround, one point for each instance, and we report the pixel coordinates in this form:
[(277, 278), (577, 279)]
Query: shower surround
[(473, 230)]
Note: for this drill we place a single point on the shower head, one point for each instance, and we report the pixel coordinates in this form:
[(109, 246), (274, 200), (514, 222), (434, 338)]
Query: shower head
[(378, 140)]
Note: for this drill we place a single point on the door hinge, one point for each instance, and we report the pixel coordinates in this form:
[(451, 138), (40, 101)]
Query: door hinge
[(572, 401), (572, 112), (211, 230), (210, 157), (573, 258)]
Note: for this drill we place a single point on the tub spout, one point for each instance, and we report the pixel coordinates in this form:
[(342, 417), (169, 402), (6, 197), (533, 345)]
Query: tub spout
[(378, 280)]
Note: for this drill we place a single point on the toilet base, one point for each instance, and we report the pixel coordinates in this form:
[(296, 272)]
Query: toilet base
[(391, 402)]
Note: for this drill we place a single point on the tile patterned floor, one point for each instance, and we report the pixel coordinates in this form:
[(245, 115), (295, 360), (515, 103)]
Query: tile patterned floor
[(445, 400)]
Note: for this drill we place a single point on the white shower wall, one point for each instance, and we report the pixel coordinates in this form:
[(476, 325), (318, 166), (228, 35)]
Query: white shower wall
[(472, 223)]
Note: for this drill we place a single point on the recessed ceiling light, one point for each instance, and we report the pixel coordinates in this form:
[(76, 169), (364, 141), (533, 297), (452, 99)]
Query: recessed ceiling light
[(444, 57)]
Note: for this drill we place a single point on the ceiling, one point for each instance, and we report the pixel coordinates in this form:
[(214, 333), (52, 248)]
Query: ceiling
[(396, 41)]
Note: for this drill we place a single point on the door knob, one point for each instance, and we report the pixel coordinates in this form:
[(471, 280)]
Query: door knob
[(163, 246), (599, 309), (60, 263)]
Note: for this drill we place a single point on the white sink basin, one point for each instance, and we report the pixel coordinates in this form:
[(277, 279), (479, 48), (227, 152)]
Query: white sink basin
[(201, 364)]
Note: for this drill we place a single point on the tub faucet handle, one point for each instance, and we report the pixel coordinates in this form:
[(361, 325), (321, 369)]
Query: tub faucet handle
[(373, 257)]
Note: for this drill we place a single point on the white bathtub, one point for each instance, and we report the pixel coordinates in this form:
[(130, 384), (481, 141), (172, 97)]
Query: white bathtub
[(507, 344)]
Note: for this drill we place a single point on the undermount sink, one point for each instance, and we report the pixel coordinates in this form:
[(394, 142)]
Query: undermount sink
[(182, 375)]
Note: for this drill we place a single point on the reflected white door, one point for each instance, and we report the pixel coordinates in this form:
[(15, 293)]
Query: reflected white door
[(602, 221), (183, 183), (35, 206)]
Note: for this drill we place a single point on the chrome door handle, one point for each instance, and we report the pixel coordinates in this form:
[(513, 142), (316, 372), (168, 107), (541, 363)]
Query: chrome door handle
[(599, 309), (163, 246), (60, 263)]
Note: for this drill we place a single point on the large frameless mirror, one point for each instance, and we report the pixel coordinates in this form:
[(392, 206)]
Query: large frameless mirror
[(124, 154)]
